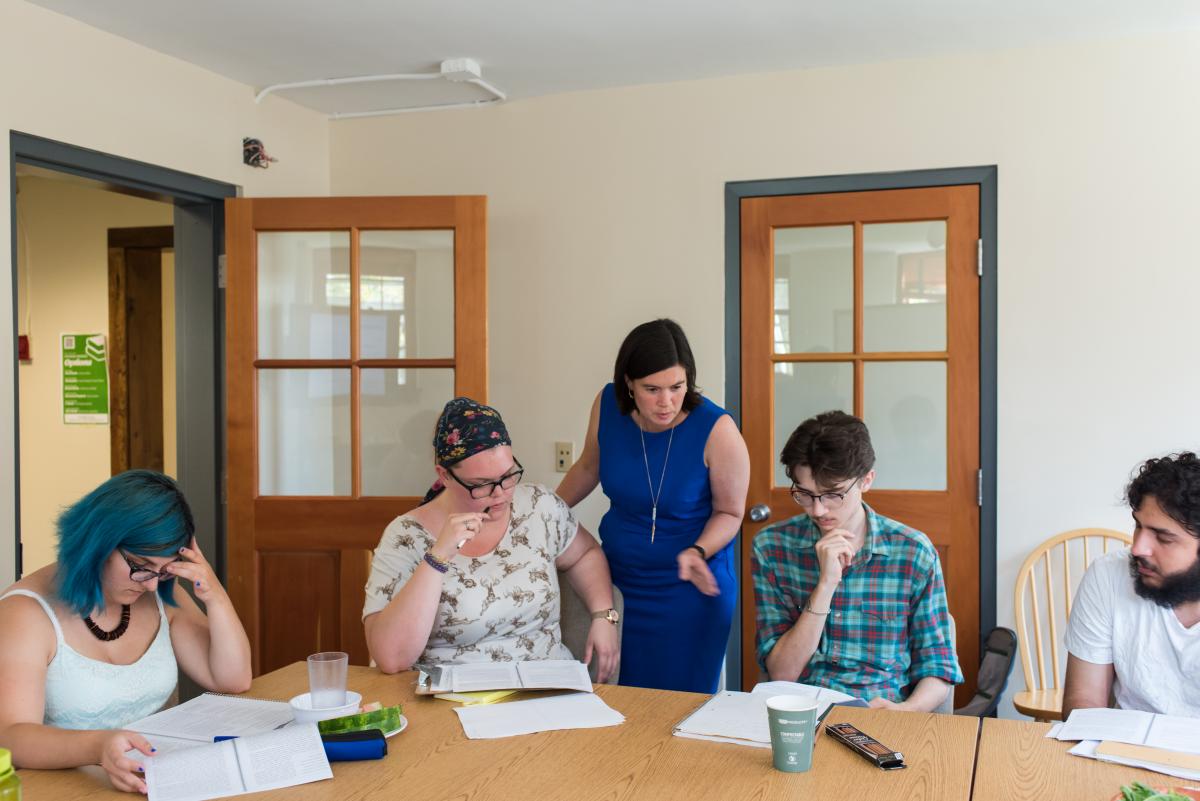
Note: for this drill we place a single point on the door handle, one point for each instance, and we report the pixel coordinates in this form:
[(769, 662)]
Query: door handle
[(759, 512)]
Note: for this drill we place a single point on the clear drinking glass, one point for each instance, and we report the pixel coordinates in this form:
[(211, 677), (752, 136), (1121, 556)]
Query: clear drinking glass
[(327, 679)]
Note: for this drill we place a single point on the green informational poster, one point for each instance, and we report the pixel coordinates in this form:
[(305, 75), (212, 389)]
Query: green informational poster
[(85, 378)]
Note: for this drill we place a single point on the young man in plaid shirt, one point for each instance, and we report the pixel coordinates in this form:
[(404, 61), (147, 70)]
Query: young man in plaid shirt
[(847, 598)]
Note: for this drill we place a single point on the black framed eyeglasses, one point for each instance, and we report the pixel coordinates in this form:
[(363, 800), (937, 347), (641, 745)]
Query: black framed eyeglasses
[(141, 573), (486, 488), (830, 500)]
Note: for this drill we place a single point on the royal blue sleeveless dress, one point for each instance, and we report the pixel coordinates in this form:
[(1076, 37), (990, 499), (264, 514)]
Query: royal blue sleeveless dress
[(673, 635)]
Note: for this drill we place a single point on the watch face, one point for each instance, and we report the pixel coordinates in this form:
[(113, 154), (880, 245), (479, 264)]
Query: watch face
[(613, 616)]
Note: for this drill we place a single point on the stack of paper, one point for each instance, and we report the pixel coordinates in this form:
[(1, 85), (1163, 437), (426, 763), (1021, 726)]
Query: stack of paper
[(1162, 743), (476, 699), (741, 718), (546, 674), (571, 711)]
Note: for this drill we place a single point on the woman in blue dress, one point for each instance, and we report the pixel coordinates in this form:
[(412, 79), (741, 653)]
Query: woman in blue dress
[(675, 469)]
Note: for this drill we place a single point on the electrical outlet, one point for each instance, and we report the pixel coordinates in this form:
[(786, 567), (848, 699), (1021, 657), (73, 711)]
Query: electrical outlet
[(564, 456)]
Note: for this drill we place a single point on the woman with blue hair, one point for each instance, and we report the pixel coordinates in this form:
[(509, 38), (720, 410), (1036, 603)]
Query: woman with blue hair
[(95, 641)]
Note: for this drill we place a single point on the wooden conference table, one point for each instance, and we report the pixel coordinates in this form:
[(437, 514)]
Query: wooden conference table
[(432, 759)]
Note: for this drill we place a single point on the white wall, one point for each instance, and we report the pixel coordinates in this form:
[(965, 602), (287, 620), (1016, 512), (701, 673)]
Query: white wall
[(66, 81), (606, 209)]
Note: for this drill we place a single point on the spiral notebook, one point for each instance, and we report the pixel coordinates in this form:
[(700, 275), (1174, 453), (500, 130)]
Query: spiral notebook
[(214, 715), (741, 718)]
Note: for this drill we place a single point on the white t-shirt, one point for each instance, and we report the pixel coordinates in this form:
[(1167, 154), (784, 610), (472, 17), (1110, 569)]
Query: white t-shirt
[(1156, 659), (498, 607)]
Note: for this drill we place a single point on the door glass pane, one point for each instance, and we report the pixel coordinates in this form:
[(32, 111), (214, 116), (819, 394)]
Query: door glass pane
[(304, 432), (904, 286), (814, 290), (406, 294), (399, 410), (803, 390), (904, 406), (304, 295)]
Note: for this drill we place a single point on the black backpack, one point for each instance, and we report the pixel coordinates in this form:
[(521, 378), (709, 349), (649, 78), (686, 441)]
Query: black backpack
[(999, 654)]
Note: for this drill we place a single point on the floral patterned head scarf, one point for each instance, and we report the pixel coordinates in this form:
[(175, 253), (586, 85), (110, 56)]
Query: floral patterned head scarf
[(465, 429)]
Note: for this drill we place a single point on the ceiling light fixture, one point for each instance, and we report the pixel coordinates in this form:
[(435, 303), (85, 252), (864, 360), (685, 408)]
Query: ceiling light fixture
[(456, 70)]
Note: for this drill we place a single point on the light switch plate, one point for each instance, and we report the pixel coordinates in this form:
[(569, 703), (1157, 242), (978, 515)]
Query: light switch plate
[(564, 456)]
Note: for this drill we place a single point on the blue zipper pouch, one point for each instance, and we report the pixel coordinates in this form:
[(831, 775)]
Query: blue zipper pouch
[(353, 746)]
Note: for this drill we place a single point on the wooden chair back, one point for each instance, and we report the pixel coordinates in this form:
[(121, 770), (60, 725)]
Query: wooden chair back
[(1056, 566)]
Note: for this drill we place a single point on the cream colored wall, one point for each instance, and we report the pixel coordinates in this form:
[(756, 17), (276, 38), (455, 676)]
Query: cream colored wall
[(63, 253), (606, 208), (66, 81)]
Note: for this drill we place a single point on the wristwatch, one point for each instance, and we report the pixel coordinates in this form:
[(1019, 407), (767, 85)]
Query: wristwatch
[(611, 615)]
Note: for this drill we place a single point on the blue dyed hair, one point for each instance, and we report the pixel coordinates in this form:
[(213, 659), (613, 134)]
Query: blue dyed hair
[(138, 511)]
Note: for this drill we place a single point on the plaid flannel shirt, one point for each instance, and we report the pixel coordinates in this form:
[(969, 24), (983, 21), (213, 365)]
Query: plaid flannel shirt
[(888, 625)]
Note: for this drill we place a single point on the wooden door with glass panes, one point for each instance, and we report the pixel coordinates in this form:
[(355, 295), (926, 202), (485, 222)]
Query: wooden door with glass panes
[(868, 302), (349, 323)]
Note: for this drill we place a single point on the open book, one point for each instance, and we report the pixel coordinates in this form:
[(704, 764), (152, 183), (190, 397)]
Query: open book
[(741, 718), (284, 758), (1170, 732), (1162, 743), (547, 674)]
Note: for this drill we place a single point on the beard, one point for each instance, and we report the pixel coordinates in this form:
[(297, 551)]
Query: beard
[(1176, 589)]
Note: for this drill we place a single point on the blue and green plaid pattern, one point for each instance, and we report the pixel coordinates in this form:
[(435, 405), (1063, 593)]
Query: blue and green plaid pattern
[(888, 625)]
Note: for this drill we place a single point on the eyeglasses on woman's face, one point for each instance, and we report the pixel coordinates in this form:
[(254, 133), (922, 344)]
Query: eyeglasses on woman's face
[(484, 489), (144, 573), (830, 500)]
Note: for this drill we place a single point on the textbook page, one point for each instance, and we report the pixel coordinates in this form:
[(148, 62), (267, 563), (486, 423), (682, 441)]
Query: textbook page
[(1174, 733), (284, 758), (484, 676), (557, 674), (210, 715), (536, 674), (163, 745), (1124, 725)]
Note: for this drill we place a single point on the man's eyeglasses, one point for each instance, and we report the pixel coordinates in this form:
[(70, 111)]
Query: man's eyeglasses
[(486, 488), (142, 573), (830, 500)]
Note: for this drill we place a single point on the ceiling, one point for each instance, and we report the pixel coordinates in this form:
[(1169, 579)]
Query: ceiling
[(537, 47)]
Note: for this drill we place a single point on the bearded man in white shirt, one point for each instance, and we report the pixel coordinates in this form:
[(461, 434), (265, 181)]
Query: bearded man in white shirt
[(1134, 632)]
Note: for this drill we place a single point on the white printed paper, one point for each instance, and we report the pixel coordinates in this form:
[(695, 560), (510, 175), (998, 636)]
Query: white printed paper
[(572, 711), (1122, 725), (210, 715)]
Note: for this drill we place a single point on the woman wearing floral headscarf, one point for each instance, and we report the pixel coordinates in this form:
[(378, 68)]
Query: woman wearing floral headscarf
[(471, 574)]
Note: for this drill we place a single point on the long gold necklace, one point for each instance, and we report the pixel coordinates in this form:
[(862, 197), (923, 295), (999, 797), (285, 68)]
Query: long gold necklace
[(654, 496)]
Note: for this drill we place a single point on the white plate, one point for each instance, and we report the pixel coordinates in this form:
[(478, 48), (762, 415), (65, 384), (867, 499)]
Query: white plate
[(403, 725)]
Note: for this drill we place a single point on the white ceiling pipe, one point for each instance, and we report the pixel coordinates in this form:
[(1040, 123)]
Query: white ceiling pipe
[(396, 76), (454, 70), (499, 98)]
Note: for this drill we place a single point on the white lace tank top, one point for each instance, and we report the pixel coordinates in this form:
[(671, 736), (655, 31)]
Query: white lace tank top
[(86, 693)]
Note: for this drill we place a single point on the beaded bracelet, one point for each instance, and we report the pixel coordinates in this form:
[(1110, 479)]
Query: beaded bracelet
[(437, 564)]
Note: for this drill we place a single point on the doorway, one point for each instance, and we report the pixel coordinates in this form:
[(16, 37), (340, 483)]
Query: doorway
[(141, 348), (873, 294), (192, 208)]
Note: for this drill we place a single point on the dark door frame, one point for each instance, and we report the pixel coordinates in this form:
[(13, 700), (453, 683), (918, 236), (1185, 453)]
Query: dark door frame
[(134, 267), (985, 177), (199, 311)]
